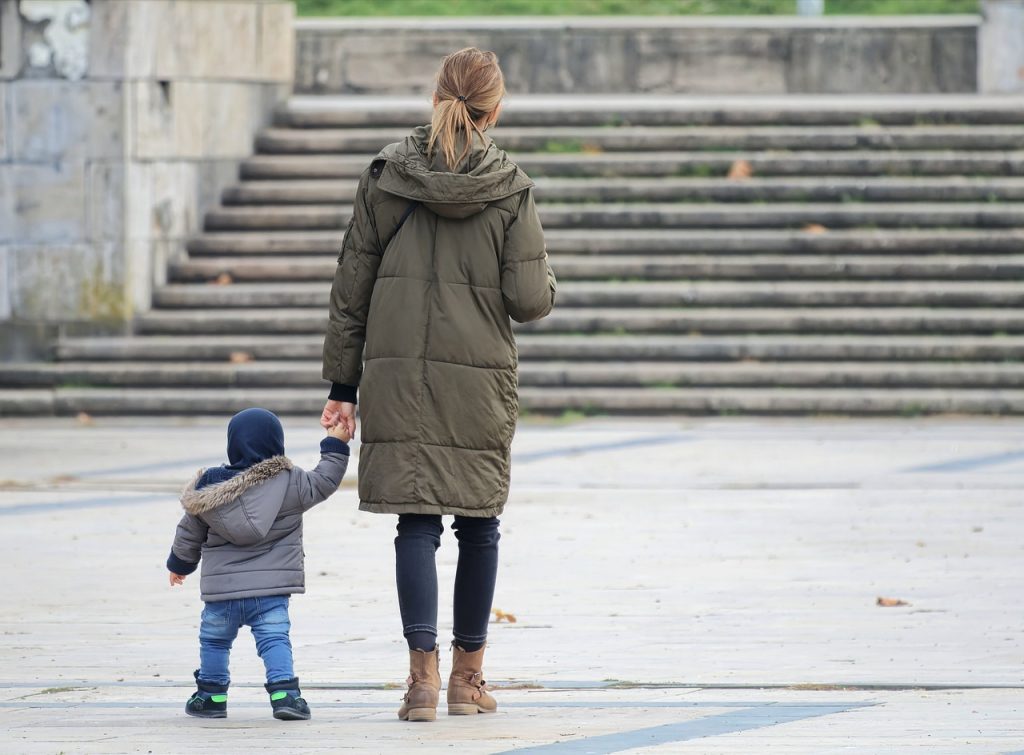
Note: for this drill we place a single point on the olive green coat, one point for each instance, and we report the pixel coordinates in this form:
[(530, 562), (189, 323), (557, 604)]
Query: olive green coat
[(423, 328)]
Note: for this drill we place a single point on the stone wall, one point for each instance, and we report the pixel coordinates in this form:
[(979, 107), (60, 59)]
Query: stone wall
[(683, 55), (120, 122)]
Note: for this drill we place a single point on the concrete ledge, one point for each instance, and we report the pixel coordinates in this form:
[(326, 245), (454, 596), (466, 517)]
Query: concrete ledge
[(654, 54), (414, 23)]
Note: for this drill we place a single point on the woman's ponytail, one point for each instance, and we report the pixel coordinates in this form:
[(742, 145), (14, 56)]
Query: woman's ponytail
[(470, 86)]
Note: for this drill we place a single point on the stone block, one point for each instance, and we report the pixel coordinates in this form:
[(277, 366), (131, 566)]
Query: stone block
[(194, 39), (4, 129), (156, 131), (276, 52), (390, 65), (883, 61), (231, 114), (1001, 43), (43, 203), (105, 200), (61, 120), (10, 40), (140, 269), (112, 42), (67, 282), (217, 40), (160, 201), (153, 48), (5, 283), (751, 60), (195, 119)]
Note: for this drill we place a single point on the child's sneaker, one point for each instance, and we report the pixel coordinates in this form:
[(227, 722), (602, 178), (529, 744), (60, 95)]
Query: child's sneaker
[(209, 700), (286, 700)]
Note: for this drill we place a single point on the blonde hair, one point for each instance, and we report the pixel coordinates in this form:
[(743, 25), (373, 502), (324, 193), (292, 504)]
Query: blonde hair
[(470, 86)]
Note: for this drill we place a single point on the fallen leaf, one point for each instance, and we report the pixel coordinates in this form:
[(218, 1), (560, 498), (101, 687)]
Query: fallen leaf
[(890, 602), (815, 228), (239, 357), (83, 418), (591, 149), (740, 170), (500, 616), (224, 279)]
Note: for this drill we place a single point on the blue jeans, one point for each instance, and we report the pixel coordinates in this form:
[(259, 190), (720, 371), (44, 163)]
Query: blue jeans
[(268, 618)]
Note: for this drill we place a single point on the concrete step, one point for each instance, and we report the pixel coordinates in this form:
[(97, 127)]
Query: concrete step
[(652, 215), (605, 294), (681, 164), (773, 401), (312, 321), (605, 241), (666, 110), (667, 215), (699, 401), (664, 138), (300, 217), (267, 243), (830, 189), (306, 374), (610, 348), (22, 402), (650, 267)]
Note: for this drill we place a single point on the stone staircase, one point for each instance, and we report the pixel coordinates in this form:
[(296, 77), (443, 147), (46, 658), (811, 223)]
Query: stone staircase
[(792, 256)]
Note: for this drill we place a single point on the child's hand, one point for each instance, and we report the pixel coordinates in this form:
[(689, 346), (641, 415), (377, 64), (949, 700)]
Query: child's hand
[(340, 431), (175, 579)]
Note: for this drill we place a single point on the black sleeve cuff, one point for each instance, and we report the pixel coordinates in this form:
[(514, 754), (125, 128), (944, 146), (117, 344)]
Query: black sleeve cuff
[(179, 566), (342, 392), (330, 445)]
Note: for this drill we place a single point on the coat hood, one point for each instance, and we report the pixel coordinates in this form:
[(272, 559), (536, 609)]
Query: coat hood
[(485, 175), (254, 435), (198, 500)]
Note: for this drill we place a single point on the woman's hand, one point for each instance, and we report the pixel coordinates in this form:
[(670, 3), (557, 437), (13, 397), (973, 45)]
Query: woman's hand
[(339, 412), (331, 415)]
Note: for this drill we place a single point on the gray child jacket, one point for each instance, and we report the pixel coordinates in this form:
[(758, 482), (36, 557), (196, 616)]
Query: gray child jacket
[(248, 529)]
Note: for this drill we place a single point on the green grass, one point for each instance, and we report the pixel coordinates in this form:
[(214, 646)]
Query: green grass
[(620, 7), (561, 146)]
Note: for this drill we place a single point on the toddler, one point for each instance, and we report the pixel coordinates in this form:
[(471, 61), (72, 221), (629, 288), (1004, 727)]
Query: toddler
[(244, 520)]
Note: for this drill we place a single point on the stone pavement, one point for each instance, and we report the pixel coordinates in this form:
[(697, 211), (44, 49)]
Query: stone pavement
[(704, 586)]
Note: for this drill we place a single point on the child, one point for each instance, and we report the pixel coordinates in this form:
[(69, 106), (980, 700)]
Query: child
[(245, 520)]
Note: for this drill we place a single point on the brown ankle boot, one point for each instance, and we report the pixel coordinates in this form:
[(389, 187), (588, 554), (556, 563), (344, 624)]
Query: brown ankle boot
[(420, 702), (467, 693)]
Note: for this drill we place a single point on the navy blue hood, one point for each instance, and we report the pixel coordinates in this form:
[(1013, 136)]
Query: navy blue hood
[(254, 435)]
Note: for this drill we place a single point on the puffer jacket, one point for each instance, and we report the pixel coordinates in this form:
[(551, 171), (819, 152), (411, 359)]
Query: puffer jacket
[(247, 530), (423, 326)]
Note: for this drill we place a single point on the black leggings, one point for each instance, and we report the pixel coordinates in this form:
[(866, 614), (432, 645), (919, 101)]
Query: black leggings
[(419, 537)]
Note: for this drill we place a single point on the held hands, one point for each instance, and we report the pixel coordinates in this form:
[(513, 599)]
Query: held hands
[(339, 413), (340, 431), (175, 579)]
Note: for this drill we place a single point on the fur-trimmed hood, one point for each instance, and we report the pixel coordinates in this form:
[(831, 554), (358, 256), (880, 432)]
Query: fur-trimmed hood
[(209, 497)]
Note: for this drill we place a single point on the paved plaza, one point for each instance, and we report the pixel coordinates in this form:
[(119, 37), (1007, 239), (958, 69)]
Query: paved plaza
[(683, 586)]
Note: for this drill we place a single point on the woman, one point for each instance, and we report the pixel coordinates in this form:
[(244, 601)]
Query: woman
[(444, 246)]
